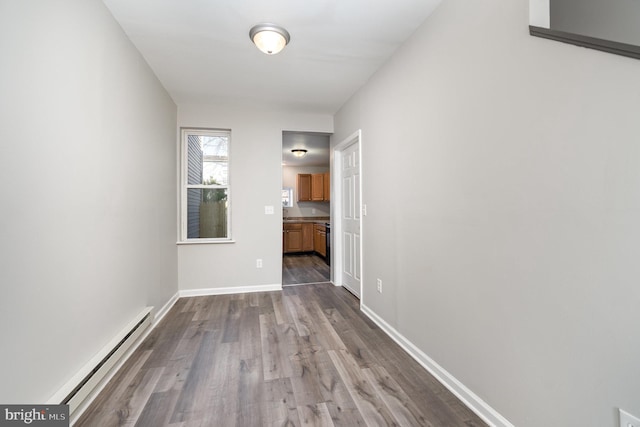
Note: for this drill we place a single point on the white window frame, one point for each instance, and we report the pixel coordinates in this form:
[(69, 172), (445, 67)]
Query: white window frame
[(184, 186)]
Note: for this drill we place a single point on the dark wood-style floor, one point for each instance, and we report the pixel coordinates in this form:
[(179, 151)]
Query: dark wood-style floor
[(305, 268), (301, 357)]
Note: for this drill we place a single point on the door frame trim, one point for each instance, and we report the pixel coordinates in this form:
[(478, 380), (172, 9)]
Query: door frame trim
[(336, 208)]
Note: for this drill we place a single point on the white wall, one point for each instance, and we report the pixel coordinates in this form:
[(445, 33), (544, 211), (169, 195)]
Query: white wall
[(303, 209), (256, 182), (87, 178), (503, 190)]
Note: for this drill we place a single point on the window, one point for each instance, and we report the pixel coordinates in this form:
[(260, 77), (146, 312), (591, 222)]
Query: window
[(287, 197), (205, 191)]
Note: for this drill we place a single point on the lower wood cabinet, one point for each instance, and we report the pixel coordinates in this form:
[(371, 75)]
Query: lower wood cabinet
[(307, 237), (297, 237), (320, 239), (292, 237)]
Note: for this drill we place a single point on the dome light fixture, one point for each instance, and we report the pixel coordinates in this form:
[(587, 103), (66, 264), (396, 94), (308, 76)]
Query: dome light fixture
[(299, 152), (269, 38)]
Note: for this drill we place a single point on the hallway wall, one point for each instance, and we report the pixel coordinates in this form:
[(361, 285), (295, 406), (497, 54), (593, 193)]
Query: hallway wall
[(256, 182), (88, 184), (501, 178)]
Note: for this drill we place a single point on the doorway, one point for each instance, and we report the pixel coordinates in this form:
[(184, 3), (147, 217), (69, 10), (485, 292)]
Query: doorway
[(347, 214), (306, 208)]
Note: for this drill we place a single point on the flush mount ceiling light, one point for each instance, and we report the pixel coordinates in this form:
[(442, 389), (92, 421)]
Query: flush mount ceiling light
[(299, 152), (269, 38)]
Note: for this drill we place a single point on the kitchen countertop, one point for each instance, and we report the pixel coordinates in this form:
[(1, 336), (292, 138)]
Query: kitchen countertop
[(298, 221), (320, 220)]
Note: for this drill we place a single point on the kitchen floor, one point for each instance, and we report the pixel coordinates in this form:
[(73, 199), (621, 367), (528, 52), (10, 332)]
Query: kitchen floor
[(299, 269)]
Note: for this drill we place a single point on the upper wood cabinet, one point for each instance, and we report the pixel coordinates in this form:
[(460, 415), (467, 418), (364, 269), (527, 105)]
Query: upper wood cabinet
[(326, 186), (304, 187), (317, 187), (314, 187)]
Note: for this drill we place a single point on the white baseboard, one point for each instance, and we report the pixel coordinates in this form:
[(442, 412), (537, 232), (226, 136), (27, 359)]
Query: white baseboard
[(159, 315), (229, 290), (469, 398)]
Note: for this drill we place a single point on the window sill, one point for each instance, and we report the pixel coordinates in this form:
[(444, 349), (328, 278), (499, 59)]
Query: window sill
[(205, 242)]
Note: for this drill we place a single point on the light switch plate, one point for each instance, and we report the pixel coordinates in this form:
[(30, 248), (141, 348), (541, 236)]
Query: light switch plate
[(268, 210)]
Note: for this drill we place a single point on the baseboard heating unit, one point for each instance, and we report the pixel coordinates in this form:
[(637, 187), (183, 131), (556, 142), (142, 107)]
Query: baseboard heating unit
[(90, 378)]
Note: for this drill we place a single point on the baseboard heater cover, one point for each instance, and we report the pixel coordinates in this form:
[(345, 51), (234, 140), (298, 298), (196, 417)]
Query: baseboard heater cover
[(78, 388)]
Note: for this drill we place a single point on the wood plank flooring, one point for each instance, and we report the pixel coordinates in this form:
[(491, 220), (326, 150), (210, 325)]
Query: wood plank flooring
[(305, 356), (304, 268)]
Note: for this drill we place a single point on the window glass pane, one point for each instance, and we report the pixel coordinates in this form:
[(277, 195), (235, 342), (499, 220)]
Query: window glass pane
[(215, 173), (206, 213), (215, 146), (194, 160), (208, 160), (287, 197)]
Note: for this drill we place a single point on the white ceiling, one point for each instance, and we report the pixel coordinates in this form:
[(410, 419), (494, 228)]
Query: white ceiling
[(316, 144), (201, 52)]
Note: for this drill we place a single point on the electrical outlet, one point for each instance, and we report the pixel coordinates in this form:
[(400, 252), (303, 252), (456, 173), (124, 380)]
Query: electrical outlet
[(628, 420), (364, 210), (258, 263), (268, 210), (379, 287)]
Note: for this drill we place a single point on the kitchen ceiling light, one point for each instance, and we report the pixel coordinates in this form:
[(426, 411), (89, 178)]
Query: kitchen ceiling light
[(269, 38), (299, 152)]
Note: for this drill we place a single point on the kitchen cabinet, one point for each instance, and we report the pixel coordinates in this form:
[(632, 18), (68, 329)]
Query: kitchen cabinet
[(317, 187), (320, 239), (304, 187), (297, 237), (326, 187), (292, 237), (307, 237), (313, 187)]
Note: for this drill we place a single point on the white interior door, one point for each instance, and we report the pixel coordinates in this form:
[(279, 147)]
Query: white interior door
[(350, 217)]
